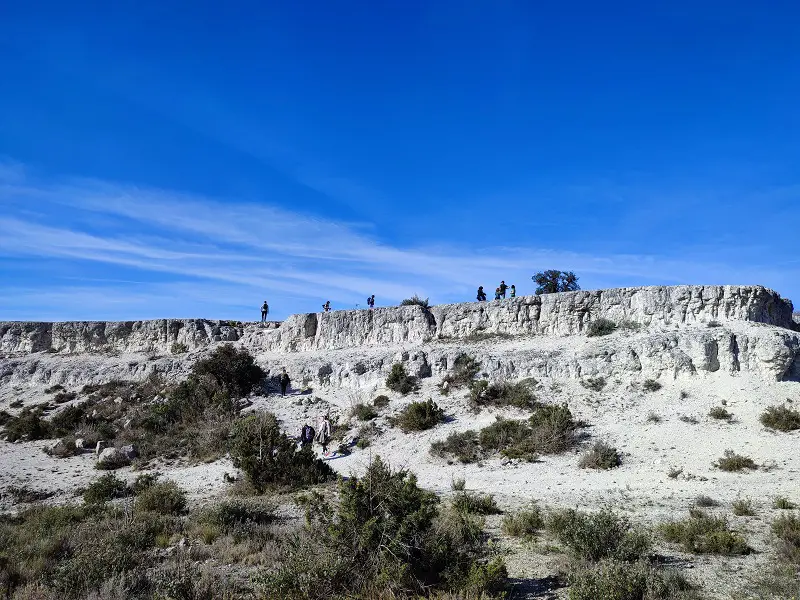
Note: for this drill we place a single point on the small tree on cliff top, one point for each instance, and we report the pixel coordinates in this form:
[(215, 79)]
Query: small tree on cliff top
[(552, 281)]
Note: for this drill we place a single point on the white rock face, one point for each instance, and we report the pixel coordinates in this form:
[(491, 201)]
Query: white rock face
[(683, 331)]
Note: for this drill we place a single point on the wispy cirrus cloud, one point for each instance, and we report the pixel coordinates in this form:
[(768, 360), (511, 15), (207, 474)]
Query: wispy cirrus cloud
[(179, 251)]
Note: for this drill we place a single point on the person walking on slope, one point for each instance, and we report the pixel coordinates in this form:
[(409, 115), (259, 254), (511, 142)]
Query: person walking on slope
[(503, 287), (284, 381), (513, 291), (306, 435), (481, 294), (264, 311), (324, 433)]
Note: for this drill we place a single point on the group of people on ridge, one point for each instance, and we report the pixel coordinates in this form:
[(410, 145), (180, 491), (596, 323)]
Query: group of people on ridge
[(499, 292)]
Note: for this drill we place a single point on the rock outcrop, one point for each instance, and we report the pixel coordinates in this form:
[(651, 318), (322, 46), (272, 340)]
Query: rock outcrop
[(552, 314), (668, 332)]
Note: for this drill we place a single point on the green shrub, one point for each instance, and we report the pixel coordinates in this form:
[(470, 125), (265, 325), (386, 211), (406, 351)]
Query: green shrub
[(618, 580), (179, 348), (458, 484), (234, 370), (464, 370), (601, 456), (415, 301), (143, 482), (381, 401), (781, 418), (786, 530), (597, 536), (28, 425), (702, 533), (269, 458), (68, 420), (399, 381), (596, 384), (705, 501), (553, 281), (465, 446), (165, 498), (419, 416), (518, 395), (720, 413), (5, 417), (731, 461), (600, 327), (63, 397), (782, 503), (105, 488), (239, 515), (651, 385), (478, 504), (385, 537), (653, 418), (525, 524), (743, 507), (55, 388), (364, 412)]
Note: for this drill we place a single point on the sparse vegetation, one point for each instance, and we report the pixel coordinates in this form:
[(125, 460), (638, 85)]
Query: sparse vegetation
[(464, 370), (720, 413), (743, 507), (415, 301), (597, 536), (781, 418), (619, 580), (381, 401), (601, 456), (786, 530), (419, 416), (473, 503), (596, 384), (164, 498), (733, 462), (179, 348), (54, 388), (549, 430), (705, 502), (524, 524), (364, 412), (400, 381), (518, 395), (674, 472), (600, 327), (692, 420), (651, 385), (653, 418), (105, 488), (783, 503), (702, 533), (28, 425), (62, 397)]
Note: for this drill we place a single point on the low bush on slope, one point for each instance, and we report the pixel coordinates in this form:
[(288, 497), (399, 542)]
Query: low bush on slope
[(781, 418), (549, 430), (518, 395), (384, 536)]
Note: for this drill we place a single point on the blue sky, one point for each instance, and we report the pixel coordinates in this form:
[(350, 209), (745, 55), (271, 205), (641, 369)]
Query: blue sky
[(175, 159)]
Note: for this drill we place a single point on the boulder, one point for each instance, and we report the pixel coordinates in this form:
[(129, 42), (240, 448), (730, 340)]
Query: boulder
[(101, 444), (112, 457), (79, 443)]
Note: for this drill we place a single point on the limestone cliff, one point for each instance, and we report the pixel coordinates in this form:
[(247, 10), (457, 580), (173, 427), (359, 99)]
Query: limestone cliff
[(549, 315)]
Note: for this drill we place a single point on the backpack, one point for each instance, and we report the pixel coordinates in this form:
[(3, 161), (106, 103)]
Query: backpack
[(308, 434)]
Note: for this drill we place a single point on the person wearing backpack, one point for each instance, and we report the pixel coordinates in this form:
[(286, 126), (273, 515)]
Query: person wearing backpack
[(264, 311)]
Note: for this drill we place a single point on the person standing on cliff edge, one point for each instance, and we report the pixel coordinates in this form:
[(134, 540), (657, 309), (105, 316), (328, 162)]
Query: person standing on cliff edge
[(264, 311)]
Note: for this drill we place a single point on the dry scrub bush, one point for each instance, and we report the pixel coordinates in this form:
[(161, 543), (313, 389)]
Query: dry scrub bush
[(743, 507), (525, 523), (702, 533), (518, 395), (783, 503), (705, 502), (598, 536), (474, 503), (381, 401), (464, 370), (733, 462), (786, 530), (601, 456), (781, 418), (651, 385), (363, 412), (596, 384), (720, 413), (618, 580)]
